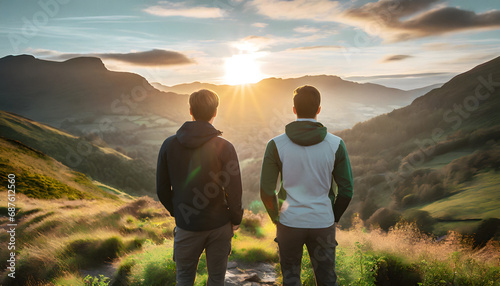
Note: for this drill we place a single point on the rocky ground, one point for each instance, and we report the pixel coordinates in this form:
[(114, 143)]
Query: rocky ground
[(250, 274)]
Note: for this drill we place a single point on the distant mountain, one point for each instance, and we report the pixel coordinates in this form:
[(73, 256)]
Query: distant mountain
[(82, 89), (51, 92), (423, 90), (344, 102), (332, 87)]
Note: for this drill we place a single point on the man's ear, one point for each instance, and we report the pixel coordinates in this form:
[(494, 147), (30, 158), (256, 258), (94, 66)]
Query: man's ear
[(319, 110), (190, 112), (294, 110), (215, 113)]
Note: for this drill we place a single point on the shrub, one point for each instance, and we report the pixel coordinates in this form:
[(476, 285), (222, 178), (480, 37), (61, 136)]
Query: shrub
[(424, 221), (392, 270), (384, 218), (410, 200), (90, 252), (252, 223), (96, 281), (488, 229), (256, 207), (367, 208)]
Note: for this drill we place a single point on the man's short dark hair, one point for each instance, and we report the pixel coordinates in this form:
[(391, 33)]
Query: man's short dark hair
[(306, 100), (203, 104)]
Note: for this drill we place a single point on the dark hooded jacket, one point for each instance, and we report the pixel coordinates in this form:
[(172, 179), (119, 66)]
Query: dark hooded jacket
[(198, 178)]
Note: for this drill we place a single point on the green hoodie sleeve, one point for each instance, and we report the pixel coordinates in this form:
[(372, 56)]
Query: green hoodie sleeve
[(342, 174), (271, 168)]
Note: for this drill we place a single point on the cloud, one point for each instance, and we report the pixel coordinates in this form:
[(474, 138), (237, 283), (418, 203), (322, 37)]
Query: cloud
[(259, 25), (309, 48), (252, 43), (306, 30), (154, 57), (446, 46), (393, 76), (320, 10), (400, 20), (392, 20), (99, 19), (169, 9), (150, 58), (449, 19), (394, 58)]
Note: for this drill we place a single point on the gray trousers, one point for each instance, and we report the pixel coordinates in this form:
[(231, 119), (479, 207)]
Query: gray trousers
[(320, 244), (188, 246)]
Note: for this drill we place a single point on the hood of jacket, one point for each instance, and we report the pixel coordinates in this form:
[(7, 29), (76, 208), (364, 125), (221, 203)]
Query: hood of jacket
[(193, 134), (305, 133)]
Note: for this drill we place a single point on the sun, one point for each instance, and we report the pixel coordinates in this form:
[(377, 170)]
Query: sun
[(242, 69)]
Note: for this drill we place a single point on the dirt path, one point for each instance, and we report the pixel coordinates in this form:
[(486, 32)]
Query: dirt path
[(250, 274), (237, 274)]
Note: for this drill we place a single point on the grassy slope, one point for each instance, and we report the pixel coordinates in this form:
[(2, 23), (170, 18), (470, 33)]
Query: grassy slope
[(100, 163), (476, 200), (438, 162), (39, 175)]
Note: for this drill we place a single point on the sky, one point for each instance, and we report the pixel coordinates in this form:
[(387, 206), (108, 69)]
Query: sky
[(398, 43)]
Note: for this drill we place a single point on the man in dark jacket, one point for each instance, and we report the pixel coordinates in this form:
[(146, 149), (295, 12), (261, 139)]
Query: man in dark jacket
[(309, 160), (198, 181)]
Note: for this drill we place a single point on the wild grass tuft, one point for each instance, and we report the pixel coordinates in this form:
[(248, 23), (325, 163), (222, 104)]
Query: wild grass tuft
[(255, 241), (252, 224)]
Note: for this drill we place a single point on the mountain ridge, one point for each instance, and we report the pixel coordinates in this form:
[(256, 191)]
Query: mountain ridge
[(49, 91)]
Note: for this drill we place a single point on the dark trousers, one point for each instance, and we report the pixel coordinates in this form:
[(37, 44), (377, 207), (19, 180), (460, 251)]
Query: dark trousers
[(188, 246), (320, 244)]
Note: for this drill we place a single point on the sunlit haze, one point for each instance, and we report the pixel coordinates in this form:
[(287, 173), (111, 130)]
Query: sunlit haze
[(242, 69)]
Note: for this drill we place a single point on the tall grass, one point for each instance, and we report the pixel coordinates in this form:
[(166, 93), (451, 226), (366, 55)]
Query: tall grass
[(55, 239), (405, 256), (154, 266), (254, 242), (58, 238)]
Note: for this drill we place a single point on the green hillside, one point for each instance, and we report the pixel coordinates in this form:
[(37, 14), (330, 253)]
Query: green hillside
[(436, 150), (39, 176), (99, 163)]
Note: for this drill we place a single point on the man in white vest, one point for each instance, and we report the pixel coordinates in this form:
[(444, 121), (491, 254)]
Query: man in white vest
[(309, 160)]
